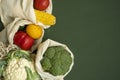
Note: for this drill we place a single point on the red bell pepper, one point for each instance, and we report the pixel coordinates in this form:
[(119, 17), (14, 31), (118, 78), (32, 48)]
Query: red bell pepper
[(23, 40)]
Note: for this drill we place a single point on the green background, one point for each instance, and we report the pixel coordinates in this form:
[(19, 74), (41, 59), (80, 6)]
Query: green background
[(91, 29)]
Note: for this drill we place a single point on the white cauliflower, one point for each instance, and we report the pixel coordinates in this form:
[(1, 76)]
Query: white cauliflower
[(19, 66)]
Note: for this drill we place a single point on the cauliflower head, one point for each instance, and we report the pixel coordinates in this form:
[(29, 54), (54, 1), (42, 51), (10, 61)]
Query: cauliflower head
[(19, 66), (15, 69), (56, 60)]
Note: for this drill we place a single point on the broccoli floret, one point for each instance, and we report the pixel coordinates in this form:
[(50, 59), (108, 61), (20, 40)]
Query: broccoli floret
[(46, 64), (65, 57), (58, 48), (50, 52), (66, 61), (56, 70), (56, 60)]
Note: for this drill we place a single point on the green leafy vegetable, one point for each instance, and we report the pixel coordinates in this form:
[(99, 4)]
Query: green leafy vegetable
[(56, 60), (46, 64), (18, 54), (50, 52)]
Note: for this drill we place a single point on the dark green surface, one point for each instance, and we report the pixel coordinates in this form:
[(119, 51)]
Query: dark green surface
[(91, 29)]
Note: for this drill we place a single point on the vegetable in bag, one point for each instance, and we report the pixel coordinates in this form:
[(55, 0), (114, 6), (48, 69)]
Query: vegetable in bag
[(23, 9), (8, 35), (56, 60), (53, 60)]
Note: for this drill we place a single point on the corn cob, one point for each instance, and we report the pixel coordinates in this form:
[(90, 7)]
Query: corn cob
[(45, 18)]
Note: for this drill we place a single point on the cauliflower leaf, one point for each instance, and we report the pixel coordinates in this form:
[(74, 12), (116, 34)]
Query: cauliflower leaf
[(31, 75)]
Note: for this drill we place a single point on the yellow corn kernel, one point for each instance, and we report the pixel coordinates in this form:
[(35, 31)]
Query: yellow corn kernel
[(45, 18)]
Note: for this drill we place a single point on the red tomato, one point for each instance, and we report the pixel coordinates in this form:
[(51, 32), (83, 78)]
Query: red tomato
[(41, 4), (23, 40)]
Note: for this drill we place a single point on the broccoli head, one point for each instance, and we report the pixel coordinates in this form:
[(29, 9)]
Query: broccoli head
[(56, 60)]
